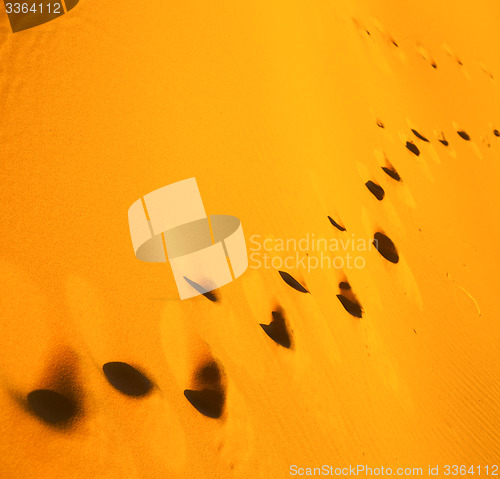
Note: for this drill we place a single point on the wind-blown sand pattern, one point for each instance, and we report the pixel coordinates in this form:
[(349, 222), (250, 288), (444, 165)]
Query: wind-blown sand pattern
[(333, 120)]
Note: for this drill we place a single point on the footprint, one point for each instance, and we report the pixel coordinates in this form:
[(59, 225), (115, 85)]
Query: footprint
[(218, 408), (463, 134), (291, 281), (362, 30), (485, 140), (208, 395), (377, 190), (385, 247), (348, 299), (277, 329), (126, 379), (334, 223), (486, 70), (443, 140), (496, 132), (210, 295), (426, 55), (418, 135), (52, 407), (208, 402), (59, 400), (413, 148), (192, 362), (392, 173), (389, 168)]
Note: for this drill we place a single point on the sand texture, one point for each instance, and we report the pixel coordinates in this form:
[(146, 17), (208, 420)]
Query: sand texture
[(329, 120)]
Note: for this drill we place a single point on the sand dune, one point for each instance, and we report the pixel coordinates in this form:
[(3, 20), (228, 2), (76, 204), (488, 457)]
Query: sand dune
[(369, 134)]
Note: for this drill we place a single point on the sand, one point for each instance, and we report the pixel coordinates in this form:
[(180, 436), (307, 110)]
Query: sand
[(287, 114)]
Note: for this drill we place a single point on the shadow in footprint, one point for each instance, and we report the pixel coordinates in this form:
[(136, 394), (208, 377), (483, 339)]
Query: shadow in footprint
[(209, 396), (385, 247), (291, 281), (127, 379), (376, 190), (443, 140), (418, 135), (392, 173), (348, 299), (59, 402), (496, 132), (208, 402), (334, 223), (463, 134), (413, 148), (210, 295), (277, 329), (52, 407)]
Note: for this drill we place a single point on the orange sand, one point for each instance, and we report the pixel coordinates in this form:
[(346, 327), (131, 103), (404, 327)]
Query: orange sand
[(273, 107)]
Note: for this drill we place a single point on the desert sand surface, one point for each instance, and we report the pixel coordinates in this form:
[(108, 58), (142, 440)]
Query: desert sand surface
[(286, 113)]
